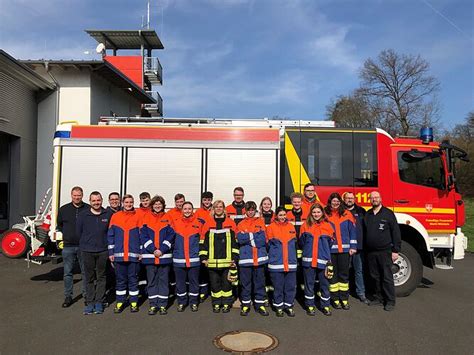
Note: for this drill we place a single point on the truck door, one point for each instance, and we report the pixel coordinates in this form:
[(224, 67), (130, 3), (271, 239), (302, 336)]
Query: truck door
[(420, 188)]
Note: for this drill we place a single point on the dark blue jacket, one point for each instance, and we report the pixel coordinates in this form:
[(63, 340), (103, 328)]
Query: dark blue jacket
[(359, 213), (92, 230)]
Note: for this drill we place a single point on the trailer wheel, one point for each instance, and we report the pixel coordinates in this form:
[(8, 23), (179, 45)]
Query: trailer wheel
[(15, 243), (407, 270)]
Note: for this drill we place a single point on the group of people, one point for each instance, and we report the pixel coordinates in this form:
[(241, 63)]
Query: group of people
[(239, 251)]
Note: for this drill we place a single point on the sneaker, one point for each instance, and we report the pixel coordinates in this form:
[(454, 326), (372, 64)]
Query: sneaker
[(336, 305), (152, 311), (279, 313), (326, 311), (202, 297), (99, 308), (181, 307), (376, 302), (67, 302), (363, 299), (89, 309), (311, 311), (134, 307), (163, 311), (262, 311), (244, 311), (290, 312), (194, 308), (226, 308), (216, 308), (345, 305), (389, 307), (119, 308)]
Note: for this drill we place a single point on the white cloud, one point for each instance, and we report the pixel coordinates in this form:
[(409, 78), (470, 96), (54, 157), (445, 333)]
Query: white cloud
[(334, 50)]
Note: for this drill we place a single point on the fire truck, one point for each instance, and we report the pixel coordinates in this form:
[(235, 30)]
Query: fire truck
[(415, 176)]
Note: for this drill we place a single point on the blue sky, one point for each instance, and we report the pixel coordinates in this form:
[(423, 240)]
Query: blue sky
[(261, 58)]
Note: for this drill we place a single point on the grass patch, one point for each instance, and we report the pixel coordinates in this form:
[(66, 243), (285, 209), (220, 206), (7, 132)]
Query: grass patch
[(468, 228)]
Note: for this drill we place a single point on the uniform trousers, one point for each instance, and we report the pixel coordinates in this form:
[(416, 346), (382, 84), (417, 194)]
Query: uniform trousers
[(284, 289), (252, 277), (126, 276), (158, 284)]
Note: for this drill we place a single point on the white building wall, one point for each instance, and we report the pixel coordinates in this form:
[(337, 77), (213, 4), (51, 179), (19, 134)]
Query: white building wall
[(107, 99), (47, 121)]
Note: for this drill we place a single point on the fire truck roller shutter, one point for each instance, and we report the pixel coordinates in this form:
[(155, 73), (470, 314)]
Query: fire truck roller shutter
[(256, 170), (165, 171), (92, 168)]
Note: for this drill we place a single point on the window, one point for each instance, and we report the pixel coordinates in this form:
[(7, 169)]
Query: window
[(327, 157), (421, 168), (365, 160)]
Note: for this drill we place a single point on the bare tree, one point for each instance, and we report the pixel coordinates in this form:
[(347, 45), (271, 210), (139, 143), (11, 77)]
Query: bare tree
[(400, 89), (351, 111), (462, 136)]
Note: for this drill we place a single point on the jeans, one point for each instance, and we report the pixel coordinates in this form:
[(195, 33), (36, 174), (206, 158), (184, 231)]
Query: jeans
[(70, 255), (95, 272), (357, 260)]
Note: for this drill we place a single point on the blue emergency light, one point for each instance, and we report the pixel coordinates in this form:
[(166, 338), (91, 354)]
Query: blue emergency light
[(426, 135)]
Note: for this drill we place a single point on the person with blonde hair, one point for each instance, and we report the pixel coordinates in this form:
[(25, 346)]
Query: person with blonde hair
[(219, 252)]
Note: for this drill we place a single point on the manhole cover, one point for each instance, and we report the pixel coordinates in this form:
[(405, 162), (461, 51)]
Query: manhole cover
[(243, 341)]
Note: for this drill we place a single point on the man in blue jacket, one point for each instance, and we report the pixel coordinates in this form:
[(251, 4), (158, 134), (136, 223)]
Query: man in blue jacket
[(92, 226)]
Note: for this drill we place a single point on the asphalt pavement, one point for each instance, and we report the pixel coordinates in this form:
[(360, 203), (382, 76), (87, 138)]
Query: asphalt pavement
[(438, 318)]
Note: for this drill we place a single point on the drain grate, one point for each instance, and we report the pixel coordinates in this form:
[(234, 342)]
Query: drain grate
[(243, 341)]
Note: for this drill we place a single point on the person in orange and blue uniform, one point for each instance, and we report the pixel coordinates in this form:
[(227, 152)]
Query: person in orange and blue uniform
[(186, 262), (265, 211), (204, 213), (282, 250), (123, 240), (219, 253), (252, 260), (315, 242), (236, 210), (177, 210), (344, 245), (156, 239)]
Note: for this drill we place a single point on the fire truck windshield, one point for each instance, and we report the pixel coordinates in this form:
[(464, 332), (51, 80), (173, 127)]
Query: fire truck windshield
[(422, 168)]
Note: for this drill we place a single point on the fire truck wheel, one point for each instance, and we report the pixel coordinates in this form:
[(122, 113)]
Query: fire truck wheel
[(15, 243), (407, 270)]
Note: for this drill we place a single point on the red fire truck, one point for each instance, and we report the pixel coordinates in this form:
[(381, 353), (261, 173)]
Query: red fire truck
[(415, 176)]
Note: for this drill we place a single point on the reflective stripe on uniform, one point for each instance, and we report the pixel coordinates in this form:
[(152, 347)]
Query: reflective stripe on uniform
[(217, 231), (133, 293), (111, 246), (343, 246), (120, 293), (167, 243), (191, 260), (147, 243), (252, 241), (250, 261), (343, 286), (121, 255)]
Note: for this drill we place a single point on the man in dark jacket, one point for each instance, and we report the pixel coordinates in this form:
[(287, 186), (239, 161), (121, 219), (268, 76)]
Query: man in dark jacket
[(92, 226), (382, 244), (66, 224), (357, 258)]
